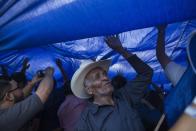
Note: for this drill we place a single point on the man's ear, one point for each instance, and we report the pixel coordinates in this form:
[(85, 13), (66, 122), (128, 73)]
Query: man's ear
[(87, 86), (9, 97), (89, 90)]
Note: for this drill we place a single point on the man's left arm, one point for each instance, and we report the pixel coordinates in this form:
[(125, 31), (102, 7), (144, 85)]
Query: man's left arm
[(137, 86)]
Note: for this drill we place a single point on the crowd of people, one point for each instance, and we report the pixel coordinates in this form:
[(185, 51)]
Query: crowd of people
[(90, 101)]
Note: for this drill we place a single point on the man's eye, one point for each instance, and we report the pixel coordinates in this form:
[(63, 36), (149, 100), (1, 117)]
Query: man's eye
[(105, 73), (97, 76)]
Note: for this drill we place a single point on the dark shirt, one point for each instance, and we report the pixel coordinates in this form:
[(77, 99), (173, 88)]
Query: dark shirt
[(121, 116), (13, 118)]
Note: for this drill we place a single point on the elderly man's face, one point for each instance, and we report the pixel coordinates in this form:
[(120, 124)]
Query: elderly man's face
[(97, 83)]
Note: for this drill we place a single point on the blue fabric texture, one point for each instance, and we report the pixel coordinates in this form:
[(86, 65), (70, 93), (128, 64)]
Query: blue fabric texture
[(141, 42), (39, 22), (185, 90)]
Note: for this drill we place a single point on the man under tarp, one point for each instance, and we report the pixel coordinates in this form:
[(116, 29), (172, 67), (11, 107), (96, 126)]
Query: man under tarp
[(110, 110)]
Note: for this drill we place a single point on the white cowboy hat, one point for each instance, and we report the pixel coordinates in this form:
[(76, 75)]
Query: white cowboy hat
[(77, 82)]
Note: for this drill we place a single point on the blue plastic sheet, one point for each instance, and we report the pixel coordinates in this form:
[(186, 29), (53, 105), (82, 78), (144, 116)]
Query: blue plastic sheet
[(180, 96), (141, 42), (32, 24), (39, 22)]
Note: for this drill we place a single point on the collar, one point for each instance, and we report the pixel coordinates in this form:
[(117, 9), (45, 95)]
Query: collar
[(95, 107)]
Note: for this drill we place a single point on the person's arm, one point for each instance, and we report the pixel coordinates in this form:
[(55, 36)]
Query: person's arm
[(160, 49), (59, 64), (16, 116), (46, 86), (25, 66), (137, 86), (139, 66), (29, 87), (114, 43)]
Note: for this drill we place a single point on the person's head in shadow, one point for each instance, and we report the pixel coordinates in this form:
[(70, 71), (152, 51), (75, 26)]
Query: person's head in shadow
[(2, 77), (118, 81), (10, 93), (20, 78)]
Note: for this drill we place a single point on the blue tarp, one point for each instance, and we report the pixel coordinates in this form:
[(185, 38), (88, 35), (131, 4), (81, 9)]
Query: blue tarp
[(39, 22), (34, 24), (142, 42)]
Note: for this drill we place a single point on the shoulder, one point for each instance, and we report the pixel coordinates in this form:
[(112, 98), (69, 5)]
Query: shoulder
[(88, 110), (70, 103)]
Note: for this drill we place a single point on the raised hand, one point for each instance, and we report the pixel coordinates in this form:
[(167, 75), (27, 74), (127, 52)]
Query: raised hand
[(114, 42), (49, 71), (36, 79), (25, 64)]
